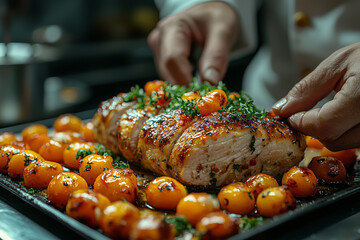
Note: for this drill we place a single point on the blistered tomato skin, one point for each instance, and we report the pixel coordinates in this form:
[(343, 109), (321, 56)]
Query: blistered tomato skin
[(7, 138), (328, 169), (217, 225), (259, 182), (67, 122), (52, 151), (32, 130), (62, 185), (38, 174), (164, 193), (275, 201), (93, 165), (237, 198), (6, 153), (196, 205), (117, 184), (19, 161), (86, 206), (301, 182), (69, 154), (118, 218), (347, 157)]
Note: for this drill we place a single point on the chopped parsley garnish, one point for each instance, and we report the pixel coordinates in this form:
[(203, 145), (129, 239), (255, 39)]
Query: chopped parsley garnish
[(80, 154), (248, 223), (181, 225)]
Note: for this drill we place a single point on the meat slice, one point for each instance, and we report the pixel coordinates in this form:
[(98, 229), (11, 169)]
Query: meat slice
[(129, 127), (157, 139), (108, 113), (222, 148)]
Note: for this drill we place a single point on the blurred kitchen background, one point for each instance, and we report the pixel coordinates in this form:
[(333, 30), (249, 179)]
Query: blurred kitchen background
[(66, 56)]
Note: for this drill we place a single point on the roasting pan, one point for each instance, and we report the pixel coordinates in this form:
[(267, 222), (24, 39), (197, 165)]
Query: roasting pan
[(311, 215)]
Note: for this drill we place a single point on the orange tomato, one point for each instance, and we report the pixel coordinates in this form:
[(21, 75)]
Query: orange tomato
[(153, 86), (347, 157), (36, 141), (271, 113), (7, 151), (118, 218), (328, 169), (86, 206), (191, 96), (259, 182), (87, 132), (217, 225), (234, 95), (69, 154), (164, 193), (211, 102), (196, 205), (7, 138), (301, 181), (117, 184), (35, 129), (274, 201), (52, 151), (67, 137), (62, 185), (237, 198), (93, 165), (313, 142), (19, 161), (39, 173), (67, 122)]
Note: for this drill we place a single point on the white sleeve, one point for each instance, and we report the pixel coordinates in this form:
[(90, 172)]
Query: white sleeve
[(246, 10)]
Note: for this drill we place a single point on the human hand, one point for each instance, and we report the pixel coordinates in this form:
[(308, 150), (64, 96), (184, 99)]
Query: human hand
[(213, 25), (337, 123)]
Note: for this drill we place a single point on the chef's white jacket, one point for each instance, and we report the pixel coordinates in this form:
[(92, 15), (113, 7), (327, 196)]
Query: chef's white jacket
[(292, 48)]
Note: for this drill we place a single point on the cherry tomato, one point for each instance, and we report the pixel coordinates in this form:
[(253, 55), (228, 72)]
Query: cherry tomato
[(274, 201), (39, 173), (19, 161), (87, 132), (234, 95), (118, 218), (7, 138), (67, 137), (237, 198), (7, 151), (67, 122), (35, 129), (164, 193), (328, 169), (260, 182), (62, 185), (313, 142), (301, 181), (153, 86), (347, 157), (36, 141), (70, 153), (191, 96), (52, 151), (211, 102), (86, 206), (93, 165), (196, 205)]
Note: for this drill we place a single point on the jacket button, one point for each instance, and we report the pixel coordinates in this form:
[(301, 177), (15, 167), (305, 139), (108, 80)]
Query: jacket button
[(301, 19)]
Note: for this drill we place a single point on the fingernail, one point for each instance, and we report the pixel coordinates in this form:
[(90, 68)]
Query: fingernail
[(296, 118), (212, 75), (279, 104)]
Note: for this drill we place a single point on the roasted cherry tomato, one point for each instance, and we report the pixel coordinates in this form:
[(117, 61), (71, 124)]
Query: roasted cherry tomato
[(62, 185), (36, 141), (301, 181), (153, 86), (191, 96), (274, 201), (19, 161), (328, 169), (234, 95), (118, 218), (87, 132), (52, 151), (217, 225), (7, 138), (93, 165), (164, 193), (7, 151), (67, 122), (159, 98), (39, 173), (237, 198), (67, 137), (35, 129), (152, 227), (211, 102), (72, 153), (117, 184), (259, 182), (196, 205), (86, 206), (313, 142), (347, 157)]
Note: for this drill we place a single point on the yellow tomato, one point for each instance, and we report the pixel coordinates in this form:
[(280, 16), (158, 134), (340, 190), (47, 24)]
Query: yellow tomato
[(7, 151), (164, 193), (52, 151), (196, 205), (19, 161), (274, 201), (39, 173), (93, 165), (62, 185), (35, 129), (301, 182), (191, 96), (67, 122), (217, 225), (152, 86), (69, 154), (7, 138), (260, 182), (118, 218), (36, 141), (212, 101), (87, 132), (86, 206)]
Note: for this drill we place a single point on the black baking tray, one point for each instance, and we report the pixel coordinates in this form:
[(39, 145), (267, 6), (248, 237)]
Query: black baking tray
[(311, 215)]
